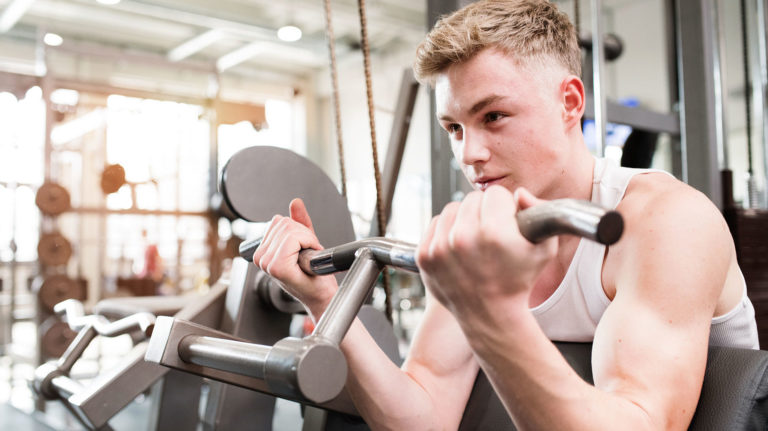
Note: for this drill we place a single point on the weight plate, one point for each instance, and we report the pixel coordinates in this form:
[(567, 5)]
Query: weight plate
[(52, 199), (112, 178), (54, 249), (57, 288), (55, 337)]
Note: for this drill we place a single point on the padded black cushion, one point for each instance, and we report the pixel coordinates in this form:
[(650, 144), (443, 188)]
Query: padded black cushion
[(734, 395), (735, 391)]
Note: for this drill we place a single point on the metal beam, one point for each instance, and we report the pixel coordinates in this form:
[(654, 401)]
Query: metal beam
[(401, 124), (244, 53), (195, 45), (696, 67), (447, 178), (637, 117), (13, 13)]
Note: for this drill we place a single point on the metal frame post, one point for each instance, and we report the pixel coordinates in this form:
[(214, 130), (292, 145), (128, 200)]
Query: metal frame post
[(445, 177), (598, 68), (696, 66)]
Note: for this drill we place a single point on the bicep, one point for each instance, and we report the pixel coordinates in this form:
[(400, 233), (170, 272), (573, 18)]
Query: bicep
[(651, 344), (441, 361)]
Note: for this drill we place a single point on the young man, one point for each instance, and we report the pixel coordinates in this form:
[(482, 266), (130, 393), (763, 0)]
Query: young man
[(506, 82)]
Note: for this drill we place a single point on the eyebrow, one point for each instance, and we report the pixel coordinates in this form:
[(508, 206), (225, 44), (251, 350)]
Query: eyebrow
[(477, 107)]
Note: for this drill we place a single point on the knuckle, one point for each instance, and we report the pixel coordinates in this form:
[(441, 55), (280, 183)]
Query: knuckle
[(460, 240)]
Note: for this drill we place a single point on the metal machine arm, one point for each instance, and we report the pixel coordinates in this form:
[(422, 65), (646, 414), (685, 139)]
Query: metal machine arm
[(314, 369)]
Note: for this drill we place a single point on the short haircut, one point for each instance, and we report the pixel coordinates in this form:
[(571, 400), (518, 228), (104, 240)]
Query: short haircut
[(524, 29)]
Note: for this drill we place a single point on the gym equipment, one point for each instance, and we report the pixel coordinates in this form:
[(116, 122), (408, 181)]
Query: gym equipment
[(94, 404), (54, 249), (557, 217), (313, 369), (52, 199), (248, 305), (112, 178), (59, 287), (248, 185), (55, 337), (734, 395), (613, 46)]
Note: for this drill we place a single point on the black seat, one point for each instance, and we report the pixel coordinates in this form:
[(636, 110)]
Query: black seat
[(734, 395)]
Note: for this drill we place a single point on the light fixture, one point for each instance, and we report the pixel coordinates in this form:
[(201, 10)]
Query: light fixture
[(289, 33), (53, 39), (108, 2)]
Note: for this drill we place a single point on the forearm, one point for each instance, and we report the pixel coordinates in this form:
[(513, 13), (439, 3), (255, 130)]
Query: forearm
[(538, 387), (384, 395)]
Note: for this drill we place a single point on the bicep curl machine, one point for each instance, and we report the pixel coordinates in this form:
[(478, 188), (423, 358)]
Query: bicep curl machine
[(313, 369)]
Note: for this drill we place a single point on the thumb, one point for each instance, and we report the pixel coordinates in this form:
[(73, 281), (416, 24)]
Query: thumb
[(299, 213), (525, 199)]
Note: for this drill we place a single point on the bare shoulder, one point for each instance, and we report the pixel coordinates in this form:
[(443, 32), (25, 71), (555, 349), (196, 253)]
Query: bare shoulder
[(654, 193), (669, 226), (660, 202)]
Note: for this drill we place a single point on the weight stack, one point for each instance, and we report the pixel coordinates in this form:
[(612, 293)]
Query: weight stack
[(749, 228)]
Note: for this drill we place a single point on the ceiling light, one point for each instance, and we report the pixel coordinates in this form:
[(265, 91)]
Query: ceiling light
[(53, 39), (108, 2), (289, 33)]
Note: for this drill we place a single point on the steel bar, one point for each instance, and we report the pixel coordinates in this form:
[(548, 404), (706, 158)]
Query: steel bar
[(229, 355), (349, 298), (557, 217)]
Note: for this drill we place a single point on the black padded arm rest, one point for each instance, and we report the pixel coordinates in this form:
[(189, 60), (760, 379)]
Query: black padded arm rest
[(735, 391), (734, 395)]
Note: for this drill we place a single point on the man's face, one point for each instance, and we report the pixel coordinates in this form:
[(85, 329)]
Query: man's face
[(505, 121)]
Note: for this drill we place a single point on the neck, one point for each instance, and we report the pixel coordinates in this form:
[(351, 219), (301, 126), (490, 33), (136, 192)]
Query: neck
[(576, 172)]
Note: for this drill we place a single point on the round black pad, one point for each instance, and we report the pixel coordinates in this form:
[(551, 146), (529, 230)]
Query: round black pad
[(259, 182)]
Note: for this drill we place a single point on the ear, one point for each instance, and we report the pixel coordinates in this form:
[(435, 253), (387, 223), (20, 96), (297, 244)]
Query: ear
[(572, 91)]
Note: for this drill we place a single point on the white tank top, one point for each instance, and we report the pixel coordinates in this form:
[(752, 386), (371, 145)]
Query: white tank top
[(573, 311)]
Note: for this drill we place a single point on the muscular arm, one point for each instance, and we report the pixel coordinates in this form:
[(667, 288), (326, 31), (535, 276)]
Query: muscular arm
[(650, 347), (431, 389)]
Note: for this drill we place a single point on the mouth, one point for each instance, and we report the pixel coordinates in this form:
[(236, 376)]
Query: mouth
[(483, 183)]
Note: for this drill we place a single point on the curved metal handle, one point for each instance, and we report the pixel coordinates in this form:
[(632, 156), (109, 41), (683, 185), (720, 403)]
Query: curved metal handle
[(73, 312), (551, 218), (52, 379)]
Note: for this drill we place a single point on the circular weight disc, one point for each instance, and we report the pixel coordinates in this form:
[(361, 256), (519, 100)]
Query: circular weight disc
[(57, 288), (54, 249), (259, 182), (55, 337), (112, 178), (52, 199)]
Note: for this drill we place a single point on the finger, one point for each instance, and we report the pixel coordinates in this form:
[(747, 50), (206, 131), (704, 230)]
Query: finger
[(525, 199), (286, 253), (467, 220), (498, 209), (424, 245), (277, 236), (443, 228), (266, 239), (298, 212)]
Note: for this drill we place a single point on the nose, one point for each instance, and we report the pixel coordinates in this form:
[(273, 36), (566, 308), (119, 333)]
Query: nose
[(474, 148)]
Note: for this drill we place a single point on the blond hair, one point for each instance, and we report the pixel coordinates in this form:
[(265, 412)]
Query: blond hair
[(524, 29)]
